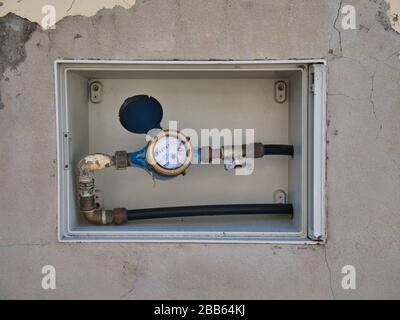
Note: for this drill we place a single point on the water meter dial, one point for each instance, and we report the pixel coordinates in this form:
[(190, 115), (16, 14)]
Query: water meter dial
[(169, 153)]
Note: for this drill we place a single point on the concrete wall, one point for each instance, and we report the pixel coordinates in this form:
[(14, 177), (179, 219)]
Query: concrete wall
[(363, 152)]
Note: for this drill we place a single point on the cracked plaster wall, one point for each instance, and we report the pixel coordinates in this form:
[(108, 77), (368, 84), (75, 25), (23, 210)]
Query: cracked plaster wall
[(393, 13), (363, 166), (32, 9)]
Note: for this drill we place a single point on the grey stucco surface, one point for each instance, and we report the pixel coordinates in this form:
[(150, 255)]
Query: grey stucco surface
[(363, 165)]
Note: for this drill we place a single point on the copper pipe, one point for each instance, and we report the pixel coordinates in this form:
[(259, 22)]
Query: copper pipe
[(86, 191), (99, 217)]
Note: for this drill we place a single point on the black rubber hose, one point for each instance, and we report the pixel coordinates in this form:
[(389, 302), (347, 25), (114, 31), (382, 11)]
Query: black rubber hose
[(278, 149), (212, 210)]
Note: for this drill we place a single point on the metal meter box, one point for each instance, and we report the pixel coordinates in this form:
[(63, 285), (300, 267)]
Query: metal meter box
[(282, 101)]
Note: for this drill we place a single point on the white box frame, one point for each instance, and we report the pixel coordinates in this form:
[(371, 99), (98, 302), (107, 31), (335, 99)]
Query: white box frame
[(314, 229)]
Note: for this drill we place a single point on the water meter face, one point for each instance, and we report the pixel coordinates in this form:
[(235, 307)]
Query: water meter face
[(170, 152)]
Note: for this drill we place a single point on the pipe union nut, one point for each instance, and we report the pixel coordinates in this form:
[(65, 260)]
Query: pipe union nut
[(120, 216), (121, 160)]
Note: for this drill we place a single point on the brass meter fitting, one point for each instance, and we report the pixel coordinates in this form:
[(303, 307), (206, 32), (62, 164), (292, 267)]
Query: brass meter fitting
[(121, 160), (120, 216)]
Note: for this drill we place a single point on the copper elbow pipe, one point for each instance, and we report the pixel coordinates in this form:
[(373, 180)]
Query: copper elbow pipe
[(86, 193), (99, 217), (117, 216), (95, 162)]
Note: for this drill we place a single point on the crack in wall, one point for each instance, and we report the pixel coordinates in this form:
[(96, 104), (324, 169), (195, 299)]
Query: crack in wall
[(70, 7), (371, 95), (329, 272), (336, 28), (372, 102), (388, 16), (372, 91), (131, 270)]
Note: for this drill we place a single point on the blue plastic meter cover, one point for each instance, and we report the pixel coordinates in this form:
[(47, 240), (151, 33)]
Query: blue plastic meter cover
[(140, 114)]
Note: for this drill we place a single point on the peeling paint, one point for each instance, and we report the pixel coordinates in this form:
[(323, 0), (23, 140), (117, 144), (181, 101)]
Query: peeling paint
[(95, 162), (389, 15), (14, 32), (32, 9), (19, 18), (393, 13)]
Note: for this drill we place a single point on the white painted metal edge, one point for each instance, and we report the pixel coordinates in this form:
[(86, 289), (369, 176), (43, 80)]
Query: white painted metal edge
[(186, 62), (97, 239), (319, 154), (60, 202)]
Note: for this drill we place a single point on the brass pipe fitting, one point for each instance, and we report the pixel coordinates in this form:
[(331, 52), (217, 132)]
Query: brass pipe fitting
[(252, 150), (118, 216), (121, 160), (99, 217), (86, 187), (95, 162)]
